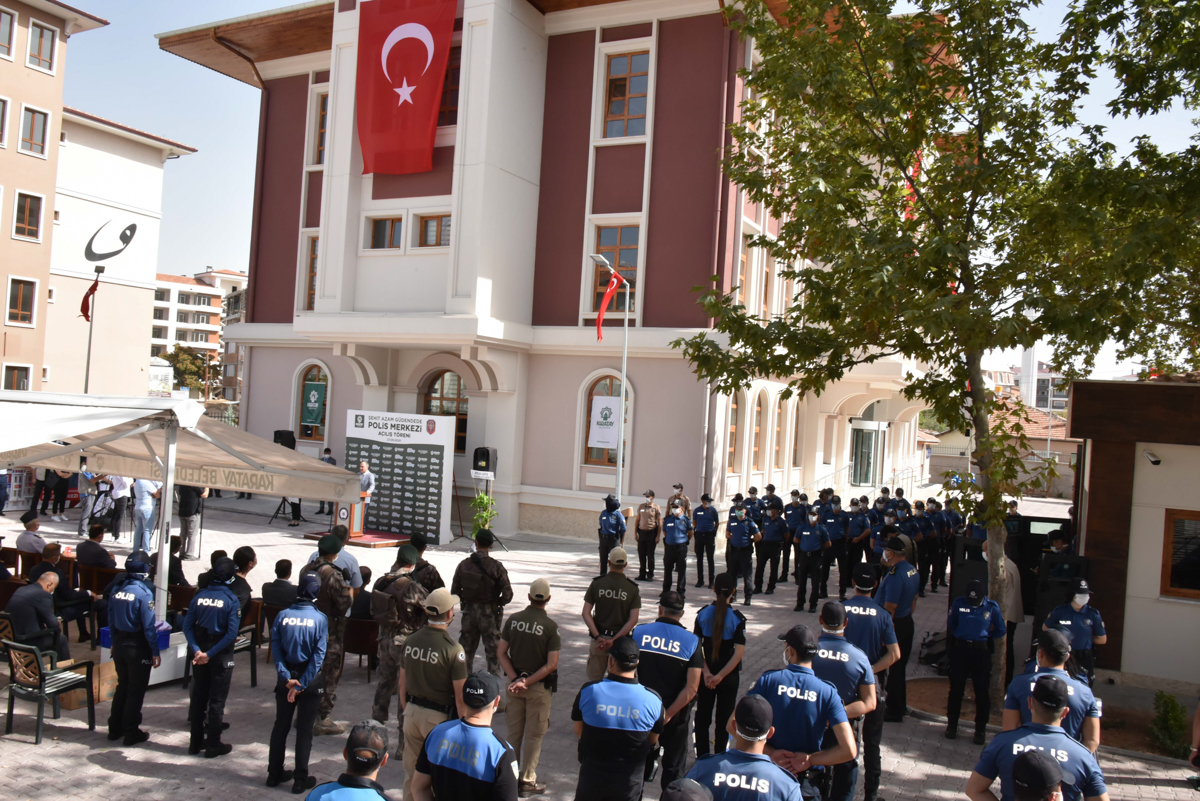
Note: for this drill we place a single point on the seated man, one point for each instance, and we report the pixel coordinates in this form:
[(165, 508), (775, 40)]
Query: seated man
[(29, 540), (70, 603), (175, 575), (361, 607), (91, 553), (246, 560), (33, 619), (280, 592), (366, 752), (203, 579)]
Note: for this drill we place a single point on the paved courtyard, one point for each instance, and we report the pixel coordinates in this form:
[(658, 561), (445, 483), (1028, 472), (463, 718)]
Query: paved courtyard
[(73, 763)]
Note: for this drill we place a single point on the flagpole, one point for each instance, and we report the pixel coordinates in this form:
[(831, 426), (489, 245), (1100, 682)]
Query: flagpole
[(87, 367), (624, 395)]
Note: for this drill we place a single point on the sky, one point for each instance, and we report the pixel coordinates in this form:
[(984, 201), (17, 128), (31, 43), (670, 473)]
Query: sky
[(119, 73)]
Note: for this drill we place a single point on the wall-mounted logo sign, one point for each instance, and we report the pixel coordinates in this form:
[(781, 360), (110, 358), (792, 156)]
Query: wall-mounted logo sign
[(126, 237)]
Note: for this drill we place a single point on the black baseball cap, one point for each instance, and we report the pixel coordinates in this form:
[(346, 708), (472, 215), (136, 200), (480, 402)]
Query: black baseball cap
[(864, 576), (770, 488), (804, 496), (796, 493), (1051, 692), (801, 639), (975, 592), (896, 544), (753, 490), (671, 600), (1080, 586), (1037, 773), (677, 486), (676, 504), (1055, 643), (367, 745), (480, 689), (753, 716), (624, 649), (686, 790), (648, 494), (833, 614), (706, 498)]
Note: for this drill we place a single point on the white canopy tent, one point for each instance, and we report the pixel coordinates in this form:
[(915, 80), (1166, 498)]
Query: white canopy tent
[(163, 440)]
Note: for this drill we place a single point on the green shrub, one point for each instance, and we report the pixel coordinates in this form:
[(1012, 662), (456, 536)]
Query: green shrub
[(1169, 729), (484, 508)]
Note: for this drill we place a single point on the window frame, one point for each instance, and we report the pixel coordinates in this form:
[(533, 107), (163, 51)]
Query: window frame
[(33, 313), (182, 316), (798, 438), (4, 113), (196, 337), (740, 295), (599, 280), (777, 452), (459, 415), (734, 430), (320, 147), (183, 299), (155, 330), (757, 450), (297, 399), (12, 34), (165, 314), (394, 221), (4, 367), (45, 154), (624, 117), (53, 69), (588, 460), (453, 64), (41, 216), (767, 281), (419, 230), (166, 298), (311, 256), (1165, 589)]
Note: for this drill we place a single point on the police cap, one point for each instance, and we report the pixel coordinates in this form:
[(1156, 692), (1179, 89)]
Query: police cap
[(753, 490), (624, 650), (1051, 692), (975, 592), (804, 496), (770, 488), (801, 639), (618, 557), (686, 790), (407, 555), (330, 543), (833, 615), (135, 565), (539, 590), (440, 601), (896, 544), (1055, 643), (671, 600), (484, 538), (309, 587), (677, 486), (480, 689), (366, 746), (1080, 587), (648, 493), (29, 516), (754, 717), (706, 498), (1037, 774), (864, 576), (223, 571)]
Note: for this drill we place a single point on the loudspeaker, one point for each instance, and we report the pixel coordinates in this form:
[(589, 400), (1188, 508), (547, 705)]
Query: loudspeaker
[(485, 460), (285, 437)]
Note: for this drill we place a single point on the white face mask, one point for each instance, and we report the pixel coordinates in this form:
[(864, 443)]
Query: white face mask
[(678, 513), (786, 661), (1081, 600)]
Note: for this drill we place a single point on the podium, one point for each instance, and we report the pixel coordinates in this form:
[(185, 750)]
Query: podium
[(351, 515)]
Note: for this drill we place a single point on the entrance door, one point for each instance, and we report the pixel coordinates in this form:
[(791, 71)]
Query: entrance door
[(862, 456)]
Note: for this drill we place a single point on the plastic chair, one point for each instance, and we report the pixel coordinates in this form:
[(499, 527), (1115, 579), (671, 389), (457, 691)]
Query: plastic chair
[(361, 640), (6, 633), (29, 680)]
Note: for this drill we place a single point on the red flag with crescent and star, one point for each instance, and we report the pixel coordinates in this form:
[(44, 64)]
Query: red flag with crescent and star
[(614, 283), (403, 49)]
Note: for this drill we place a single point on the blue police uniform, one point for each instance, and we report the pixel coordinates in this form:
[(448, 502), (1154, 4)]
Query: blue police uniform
[(978, 532), (754, 510), (739, 555), (211, 626), (705, 521), (971, 629), (1074, 760), (810, 538), (738, 776), (298, 639), (940, 550), (836, 522), (804, 706), (134, 647), (774, 531), (793, 515), (859, 525), (870, 627), (1081, 702), (675, 542), (348, 788), (899, 586), (921, 531), (718, 648), (618, 717), (668, 653), (875, 552), (465, 761), (1080, 627), (611, 531), (846, 667)]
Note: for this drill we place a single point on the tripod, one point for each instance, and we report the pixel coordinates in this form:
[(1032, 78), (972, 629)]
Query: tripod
[(281, 510)]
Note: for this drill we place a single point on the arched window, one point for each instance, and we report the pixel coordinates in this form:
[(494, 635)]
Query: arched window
[(760, 451), (798, 437), (447, 395), (777, 462), (731, 463), (603, 387), (314, 396)]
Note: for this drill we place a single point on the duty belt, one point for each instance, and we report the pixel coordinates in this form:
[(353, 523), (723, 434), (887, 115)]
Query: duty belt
[(604, 633), (425, 703)]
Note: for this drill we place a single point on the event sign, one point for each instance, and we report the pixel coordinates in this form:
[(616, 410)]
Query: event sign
[(602, 433), (312, 410)]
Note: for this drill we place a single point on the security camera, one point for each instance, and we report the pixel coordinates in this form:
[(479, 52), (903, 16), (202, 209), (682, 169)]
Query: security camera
[(1151, 457)]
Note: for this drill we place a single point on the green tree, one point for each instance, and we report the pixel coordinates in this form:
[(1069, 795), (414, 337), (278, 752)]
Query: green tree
[(917, 162), (189, 366)]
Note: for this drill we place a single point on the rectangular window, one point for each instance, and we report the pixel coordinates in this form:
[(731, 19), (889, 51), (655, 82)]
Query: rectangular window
[(200, 319), (42, 41), (448, 113), (181, 336), (199, 336), (739, 290), (28, 217), (3, 121), (768, 270), (202, 300), (33, 131), (158, 332), (160, 314), (157, 350), (310, 282), (627, 85), (322, 127), (385, 234), (16, 377), (21, 301), (435, 231), (162, 295), (181, 317), (185, 300), (618, 244), (1181, 554), (8, 24)]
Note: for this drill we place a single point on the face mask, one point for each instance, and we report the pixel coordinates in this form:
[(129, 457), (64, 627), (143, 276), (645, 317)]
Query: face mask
[(837, 506), (919, 513), (1082, 600), (679, 513), (889, 520), (854, 509), (879, 505), (812, 518), (785, 659), (741, 513), (1055, 549)]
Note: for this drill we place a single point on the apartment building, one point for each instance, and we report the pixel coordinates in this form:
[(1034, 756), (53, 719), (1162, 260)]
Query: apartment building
[(233, 355), (468, 290), (33, 62), (189, 311)]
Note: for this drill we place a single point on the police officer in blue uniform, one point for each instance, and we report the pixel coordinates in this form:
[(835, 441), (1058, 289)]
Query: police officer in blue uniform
[(677, 534), (836, 521), (1048, 705), (793, 515), (885, 497), (366, 752), (746, 773), (134, 650), (869, 626), (811, 539), (618, 722), (974, 621), (922, 533), (1084, 710), (858, 537), (774, 532), (880, 533), (741, 533), (705, 521), (898, 595), (1082, 623), (298, 645), (211, 626), (754, 507), (671, 662), (612, 530), (846, 667), (464, 760), (804, 706)]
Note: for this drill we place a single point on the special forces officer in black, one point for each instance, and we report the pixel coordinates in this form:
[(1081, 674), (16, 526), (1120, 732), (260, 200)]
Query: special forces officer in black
[(211, 626), (671, 664), (134, 651)]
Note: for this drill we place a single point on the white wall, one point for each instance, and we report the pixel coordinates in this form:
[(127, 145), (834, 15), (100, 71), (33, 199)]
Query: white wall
[(1160, 633)]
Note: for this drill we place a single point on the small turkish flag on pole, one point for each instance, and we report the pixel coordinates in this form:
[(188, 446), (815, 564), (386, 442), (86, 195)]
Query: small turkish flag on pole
[(85, 308), (614, 283), (403, 48)]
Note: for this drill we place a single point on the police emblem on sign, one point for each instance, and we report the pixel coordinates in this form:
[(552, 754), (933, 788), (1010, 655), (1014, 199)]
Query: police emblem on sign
[(360, 420), (430, 426)]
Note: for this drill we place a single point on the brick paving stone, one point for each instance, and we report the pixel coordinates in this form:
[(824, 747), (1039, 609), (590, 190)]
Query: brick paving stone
[(74, 763)]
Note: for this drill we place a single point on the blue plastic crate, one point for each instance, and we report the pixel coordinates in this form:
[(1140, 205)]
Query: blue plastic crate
[(164, 639)]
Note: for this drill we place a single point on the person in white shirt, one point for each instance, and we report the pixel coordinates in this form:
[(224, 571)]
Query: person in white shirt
[(345, 559), (121, 486), (144, 494)]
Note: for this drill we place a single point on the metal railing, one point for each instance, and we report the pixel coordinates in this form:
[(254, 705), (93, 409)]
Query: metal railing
[(227, 414)]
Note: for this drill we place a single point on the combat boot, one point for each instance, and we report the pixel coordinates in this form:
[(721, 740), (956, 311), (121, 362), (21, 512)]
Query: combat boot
[(328, 726)]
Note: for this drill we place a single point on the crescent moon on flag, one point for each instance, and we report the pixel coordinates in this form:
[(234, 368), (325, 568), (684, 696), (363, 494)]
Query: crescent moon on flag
[(409, 30)]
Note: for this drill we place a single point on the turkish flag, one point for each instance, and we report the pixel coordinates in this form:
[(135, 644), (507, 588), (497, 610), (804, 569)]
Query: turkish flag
[(614, 284), (85, 308), (403, 48)]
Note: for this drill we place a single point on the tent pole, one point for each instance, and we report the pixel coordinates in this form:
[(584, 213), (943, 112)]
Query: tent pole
[(170, 432)]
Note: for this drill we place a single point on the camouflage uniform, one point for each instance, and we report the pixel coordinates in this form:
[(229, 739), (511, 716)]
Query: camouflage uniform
[(482, 584), (334, 600), (397, 606), (427, 576)]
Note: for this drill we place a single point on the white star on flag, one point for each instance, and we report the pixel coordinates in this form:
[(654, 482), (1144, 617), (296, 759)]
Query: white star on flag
[(405, 91)]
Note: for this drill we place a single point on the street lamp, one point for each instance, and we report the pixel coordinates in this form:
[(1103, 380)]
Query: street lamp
[(87, 368), (602, 261)]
